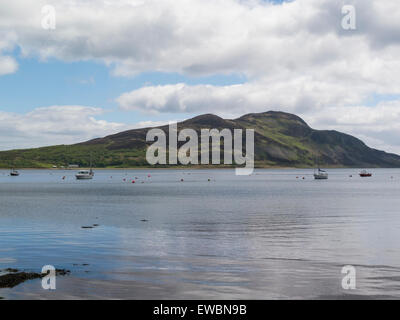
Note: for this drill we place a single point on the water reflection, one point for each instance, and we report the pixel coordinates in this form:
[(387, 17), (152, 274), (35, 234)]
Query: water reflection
[(265, 236)]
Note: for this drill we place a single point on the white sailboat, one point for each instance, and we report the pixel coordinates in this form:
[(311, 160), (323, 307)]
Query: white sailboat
[(320, 174), (85, 174), (14, 173)]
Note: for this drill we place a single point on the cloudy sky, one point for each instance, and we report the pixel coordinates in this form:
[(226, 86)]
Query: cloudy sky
[(109, 66)]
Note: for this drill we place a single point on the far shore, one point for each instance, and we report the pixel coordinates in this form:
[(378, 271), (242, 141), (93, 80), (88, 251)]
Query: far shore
[(150, 168), (194, 168)]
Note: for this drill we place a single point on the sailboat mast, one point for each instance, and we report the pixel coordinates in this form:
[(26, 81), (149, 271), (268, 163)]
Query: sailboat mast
[(91, 171)]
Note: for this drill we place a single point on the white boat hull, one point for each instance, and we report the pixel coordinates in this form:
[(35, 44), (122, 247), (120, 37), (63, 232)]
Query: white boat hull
[(320, 176), (14, 173), (83, 177)]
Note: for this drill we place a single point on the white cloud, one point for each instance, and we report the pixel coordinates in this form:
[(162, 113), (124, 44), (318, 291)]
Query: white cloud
[(378, 127), (202, 37), (151, 124), (54, 125), (7, 63), (295, 95), (295, 56)]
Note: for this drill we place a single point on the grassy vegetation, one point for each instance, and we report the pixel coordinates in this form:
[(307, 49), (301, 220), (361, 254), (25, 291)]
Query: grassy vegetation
[(64, 155)]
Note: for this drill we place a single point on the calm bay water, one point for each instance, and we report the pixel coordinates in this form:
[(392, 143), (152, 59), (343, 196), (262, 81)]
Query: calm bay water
[(267, 236)]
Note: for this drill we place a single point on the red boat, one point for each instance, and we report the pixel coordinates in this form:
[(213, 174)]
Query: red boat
[(364, 173)]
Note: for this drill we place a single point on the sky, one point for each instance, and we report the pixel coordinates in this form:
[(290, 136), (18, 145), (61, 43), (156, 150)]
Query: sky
[(74, 70)]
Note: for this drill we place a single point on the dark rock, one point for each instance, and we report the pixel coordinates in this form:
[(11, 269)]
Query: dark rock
[(62, 272), (15, 278)]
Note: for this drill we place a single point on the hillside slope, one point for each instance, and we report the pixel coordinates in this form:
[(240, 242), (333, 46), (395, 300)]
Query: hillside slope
[(281, 139)]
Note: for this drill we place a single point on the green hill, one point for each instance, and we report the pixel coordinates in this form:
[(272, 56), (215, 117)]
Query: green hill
[(281, 139)]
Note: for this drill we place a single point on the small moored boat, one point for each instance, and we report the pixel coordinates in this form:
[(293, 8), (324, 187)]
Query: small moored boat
[(365, 173), (14, 173), (85, 174), (320, 174)]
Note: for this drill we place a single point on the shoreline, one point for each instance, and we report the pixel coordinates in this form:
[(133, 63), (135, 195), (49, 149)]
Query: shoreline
[(196, 168)]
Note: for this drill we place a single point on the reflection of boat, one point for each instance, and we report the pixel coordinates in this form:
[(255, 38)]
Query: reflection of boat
[(365, 173), (85, 174), (14, 173), (320, 174)]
